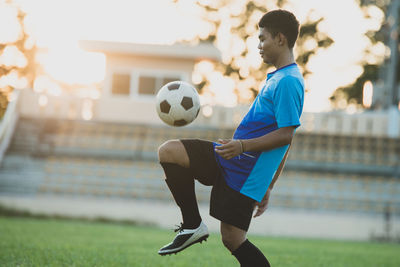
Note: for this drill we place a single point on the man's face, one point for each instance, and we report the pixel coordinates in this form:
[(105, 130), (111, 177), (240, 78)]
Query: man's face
[(268, 46)]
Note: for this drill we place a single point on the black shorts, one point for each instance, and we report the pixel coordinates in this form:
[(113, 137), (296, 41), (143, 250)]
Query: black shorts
[(226, 204)]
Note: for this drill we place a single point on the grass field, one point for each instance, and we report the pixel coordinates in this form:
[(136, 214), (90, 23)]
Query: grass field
[(47, 242)]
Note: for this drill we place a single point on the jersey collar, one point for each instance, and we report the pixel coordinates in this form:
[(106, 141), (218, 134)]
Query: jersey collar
[(269, 75)]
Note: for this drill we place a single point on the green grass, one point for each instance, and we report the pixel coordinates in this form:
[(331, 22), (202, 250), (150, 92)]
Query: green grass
[(47, 242)]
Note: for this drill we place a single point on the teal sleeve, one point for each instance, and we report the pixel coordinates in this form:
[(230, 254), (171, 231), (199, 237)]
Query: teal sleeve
[(288, 102)]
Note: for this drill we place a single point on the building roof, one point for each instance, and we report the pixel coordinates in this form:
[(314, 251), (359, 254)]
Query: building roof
[(178, 50)]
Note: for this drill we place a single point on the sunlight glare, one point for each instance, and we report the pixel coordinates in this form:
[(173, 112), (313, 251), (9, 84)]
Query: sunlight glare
[(253, 53), (87, 109), (75, 66), (8, 16), (368, 90), (351, 109), (41, 83), (223, 90), (329, 69), (12, 96), (12, 56), (43, 100), (45, 85), (197, 78), (141, 22), (14, 80), (207, 111)]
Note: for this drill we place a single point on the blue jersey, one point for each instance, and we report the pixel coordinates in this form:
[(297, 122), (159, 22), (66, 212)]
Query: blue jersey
[(278, 104)]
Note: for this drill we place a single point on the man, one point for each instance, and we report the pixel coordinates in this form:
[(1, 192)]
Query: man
[(242, 170)]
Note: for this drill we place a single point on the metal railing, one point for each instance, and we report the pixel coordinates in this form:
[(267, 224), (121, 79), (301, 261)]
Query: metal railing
[(7, 124)]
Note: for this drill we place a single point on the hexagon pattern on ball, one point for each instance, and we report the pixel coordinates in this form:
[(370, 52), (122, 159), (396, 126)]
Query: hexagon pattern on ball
[(178, 103)]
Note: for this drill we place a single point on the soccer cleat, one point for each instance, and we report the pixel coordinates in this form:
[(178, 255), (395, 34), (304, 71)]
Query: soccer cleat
[(184, 239)]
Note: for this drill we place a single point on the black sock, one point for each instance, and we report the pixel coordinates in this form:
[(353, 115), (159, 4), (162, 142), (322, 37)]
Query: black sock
[(181, 184), (249, 255)]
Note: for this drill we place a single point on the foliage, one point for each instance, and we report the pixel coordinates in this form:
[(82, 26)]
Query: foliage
[(353, 93), (235, 25), (371, 72), (23, 50)]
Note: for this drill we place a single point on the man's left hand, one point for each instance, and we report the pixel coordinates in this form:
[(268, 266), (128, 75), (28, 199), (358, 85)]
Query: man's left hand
[(263, 205)]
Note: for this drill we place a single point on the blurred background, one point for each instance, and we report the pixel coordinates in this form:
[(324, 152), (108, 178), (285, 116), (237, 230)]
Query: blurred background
[(79, 130)]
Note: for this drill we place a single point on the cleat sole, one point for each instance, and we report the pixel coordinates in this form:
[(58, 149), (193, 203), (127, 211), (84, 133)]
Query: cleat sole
[(200, 240)]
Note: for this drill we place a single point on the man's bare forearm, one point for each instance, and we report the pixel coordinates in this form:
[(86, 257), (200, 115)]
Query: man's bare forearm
[(280, 137)]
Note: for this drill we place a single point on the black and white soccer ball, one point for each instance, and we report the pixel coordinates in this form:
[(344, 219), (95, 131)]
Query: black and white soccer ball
[(178, 103)]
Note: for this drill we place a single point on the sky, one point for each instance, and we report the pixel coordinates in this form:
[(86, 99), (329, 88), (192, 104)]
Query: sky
[(58, 25)]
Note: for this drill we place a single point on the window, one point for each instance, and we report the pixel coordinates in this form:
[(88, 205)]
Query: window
[(147, 85), (168, 80), (142, 83), (150, 84), (121, 84)]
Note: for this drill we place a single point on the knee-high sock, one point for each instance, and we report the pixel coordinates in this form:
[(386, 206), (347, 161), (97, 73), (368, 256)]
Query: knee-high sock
[(180, 181), (249, 255)]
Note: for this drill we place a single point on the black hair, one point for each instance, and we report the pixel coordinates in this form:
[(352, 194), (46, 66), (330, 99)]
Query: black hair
[(281, 21)]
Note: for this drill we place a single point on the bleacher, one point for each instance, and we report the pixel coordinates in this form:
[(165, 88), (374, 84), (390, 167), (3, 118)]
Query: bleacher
[(370, 155), (117, 160)]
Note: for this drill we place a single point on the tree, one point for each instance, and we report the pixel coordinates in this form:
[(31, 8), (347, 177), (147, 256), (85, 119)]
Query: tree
[(17, 53), (372, 71), (235, 25)]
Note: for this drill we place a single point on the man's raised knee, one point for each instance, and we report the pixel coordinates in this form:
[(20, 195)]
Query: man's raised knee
[(173, 151), (166, 150)]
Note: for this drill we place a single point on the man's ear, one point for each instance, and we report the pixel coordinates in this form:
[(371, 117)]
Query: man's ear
[(282, 39)]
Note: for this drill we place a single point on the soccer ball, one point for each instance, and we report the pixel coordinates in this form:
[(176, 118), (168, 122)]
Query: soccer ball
[(178, 103)]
